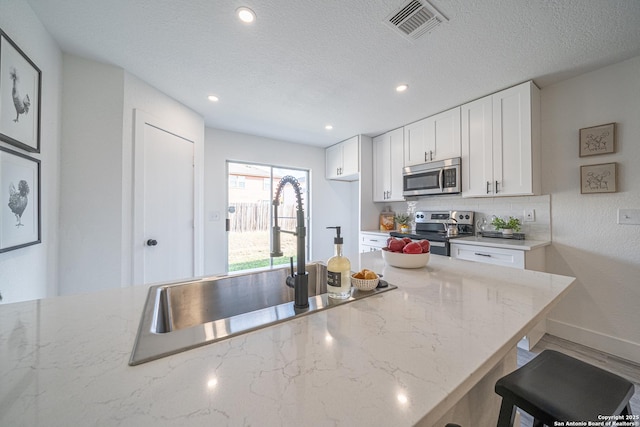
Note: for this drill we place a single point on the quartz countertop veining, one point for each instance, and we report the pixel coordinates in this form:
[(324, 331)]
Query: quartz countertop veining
[(395, 359)]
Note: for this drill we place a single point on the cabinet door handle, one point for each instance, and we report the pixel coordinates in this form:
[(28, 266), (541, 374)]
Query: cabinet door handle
[(430, 155), (496, 187), (481, 254), (425, 156), (488, 184)]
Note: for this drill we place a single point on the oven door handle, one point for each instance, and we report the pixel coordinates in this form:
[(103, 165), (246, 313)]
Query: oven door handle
[(441, 179)]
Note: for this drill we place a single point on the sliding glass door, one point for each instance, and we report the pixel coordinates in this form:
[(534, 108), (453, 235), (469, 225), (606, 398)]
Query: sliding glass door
[(251, 189)]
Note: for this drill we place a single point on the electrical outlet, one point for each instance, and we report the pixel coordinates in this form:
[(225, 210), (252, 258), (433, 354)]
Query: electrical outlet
[(529, 215), (629, 216)]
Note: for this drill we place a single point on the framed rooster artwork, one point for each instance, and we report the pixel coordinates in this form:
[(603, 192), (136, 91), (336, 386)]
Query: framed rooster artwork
[(19, 200), (20, 86)]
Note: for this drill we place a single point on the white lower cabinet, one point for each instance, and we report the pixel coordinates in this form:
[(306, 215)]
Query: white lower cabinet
[(370, 242), (533, 259), (529, 260)]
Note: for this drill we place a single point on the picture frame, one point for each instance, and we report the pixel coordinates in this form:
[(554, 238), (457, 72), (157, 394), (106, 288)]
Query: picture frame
[(600, 178), (20, 97), (19, 200), (597, 140)]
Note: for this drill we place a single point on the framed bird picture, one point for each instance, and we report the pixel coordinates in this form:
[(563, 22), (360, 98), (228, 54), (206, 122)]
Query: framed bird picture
[(20, 86), (19, 200)]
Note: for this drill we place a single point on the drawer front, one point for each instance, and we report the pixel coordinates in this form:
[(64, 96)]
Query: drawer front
[(367, 248), (377, 241), (488, 255)]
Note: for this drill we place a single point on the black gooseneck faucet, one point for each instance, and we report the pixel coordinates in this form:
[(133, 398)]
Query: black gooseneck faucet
[(299, 281)]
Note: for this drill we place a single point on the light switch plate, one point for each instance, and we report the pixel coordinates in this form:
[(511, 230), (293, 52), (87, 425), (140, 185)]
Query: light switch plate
[(629, 216)]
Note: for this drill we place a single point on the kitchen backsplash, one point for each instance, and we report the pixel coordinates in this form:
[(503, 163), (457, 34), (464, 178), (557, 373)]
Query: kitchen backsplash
[(540, 229)]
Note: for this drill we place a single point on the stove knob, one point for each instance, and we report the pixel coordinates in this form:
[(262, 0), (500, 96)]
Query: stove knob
[(461, 216), (466, 217)]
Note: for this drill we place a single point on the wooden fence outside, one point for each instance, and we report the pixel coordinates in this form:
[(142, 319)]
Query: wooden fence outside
[(255, 217)]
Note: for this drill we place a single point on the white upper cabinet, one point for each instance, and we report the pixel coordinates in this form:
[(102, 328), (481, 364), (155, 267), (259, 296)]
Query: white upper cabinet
[(444, 132), (343, 160), (388, 161), (434, 138), (501, 143), (415, 143)]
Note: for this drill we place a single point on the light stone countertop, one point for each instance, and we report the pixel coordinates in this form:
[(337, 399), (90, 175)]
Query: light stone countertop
[(394, 359), (522, 245), (378, 232)]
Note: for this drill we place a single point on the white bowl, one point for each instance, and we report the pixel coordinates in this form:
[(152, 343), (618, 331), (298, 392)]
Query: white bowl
[(402, 260), (364, 284)]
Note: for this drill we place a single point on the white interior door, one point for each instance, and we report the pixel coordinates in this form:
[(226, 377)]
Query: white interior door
[(164, 205)]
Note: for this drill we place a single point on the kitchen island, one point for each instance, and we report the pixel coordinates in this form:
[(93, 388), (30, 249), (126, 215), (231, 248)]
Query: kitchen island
[(421, 354)]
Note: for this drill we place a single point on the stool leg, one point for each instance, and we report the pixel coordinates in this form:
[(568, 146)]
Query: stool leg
[(626, 410), (507, 413)]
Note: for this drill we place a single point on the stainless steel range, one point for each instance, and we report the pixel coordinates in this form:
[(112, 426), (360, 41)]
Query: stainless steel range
[(439, 227)]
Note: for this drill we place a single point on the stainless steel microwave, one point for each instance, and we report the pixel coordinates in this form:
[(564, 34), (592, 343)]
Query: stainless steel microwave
[(441, 177)]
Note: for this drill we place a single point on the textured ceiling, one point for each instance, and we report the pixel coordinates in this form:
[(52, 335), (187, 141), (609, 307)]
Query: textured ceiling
[(306, 63)]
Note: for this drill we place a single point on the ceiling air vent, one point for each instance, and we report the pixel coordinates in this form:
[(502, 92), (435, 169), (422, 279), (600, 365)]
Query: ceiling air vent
[(414, 19)]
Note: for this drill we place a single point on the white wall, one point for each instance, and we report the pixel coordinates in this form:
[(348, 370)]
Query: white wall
[(603, 309), (31, 272), (331, 200), (91, 170)]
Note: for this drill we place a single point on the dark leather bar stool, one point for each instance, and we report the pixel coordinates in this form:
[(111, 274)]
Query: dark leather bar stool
[(556, 387)]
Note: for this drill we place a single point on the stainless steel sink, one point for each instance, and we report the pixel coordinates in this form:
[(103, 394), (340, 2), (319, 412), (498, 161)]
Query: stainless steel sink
[(181, 316)]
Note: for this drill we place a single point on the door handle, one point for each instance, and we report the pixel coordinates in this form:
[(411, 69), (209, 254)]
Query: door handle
[(152, 242)]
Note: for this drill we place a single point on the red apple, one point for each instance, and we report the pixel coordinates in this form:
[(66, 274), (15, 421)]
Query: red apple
[(407, 240), (396, 245), (412, 248), (425, 245)]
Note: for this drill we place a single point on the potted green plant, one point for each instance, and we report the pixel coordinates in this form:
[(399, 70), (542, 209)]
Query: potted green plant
[(403, 222), (507, 227)]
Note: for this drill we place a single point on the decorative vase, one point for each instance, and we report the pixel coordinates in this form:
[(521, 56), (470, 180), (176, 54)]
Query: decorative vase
[(404, 228), (507, 232)]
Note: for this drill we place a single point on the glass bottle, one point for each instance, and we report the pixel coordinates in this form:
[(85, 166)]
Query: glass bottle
[(338, 271)]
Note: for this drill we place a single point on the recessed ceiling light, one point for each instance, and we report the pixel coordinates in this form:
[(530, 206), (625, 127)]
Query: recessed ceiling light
[(246, 15), (402, 87), (328, 127), (213, 98)]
